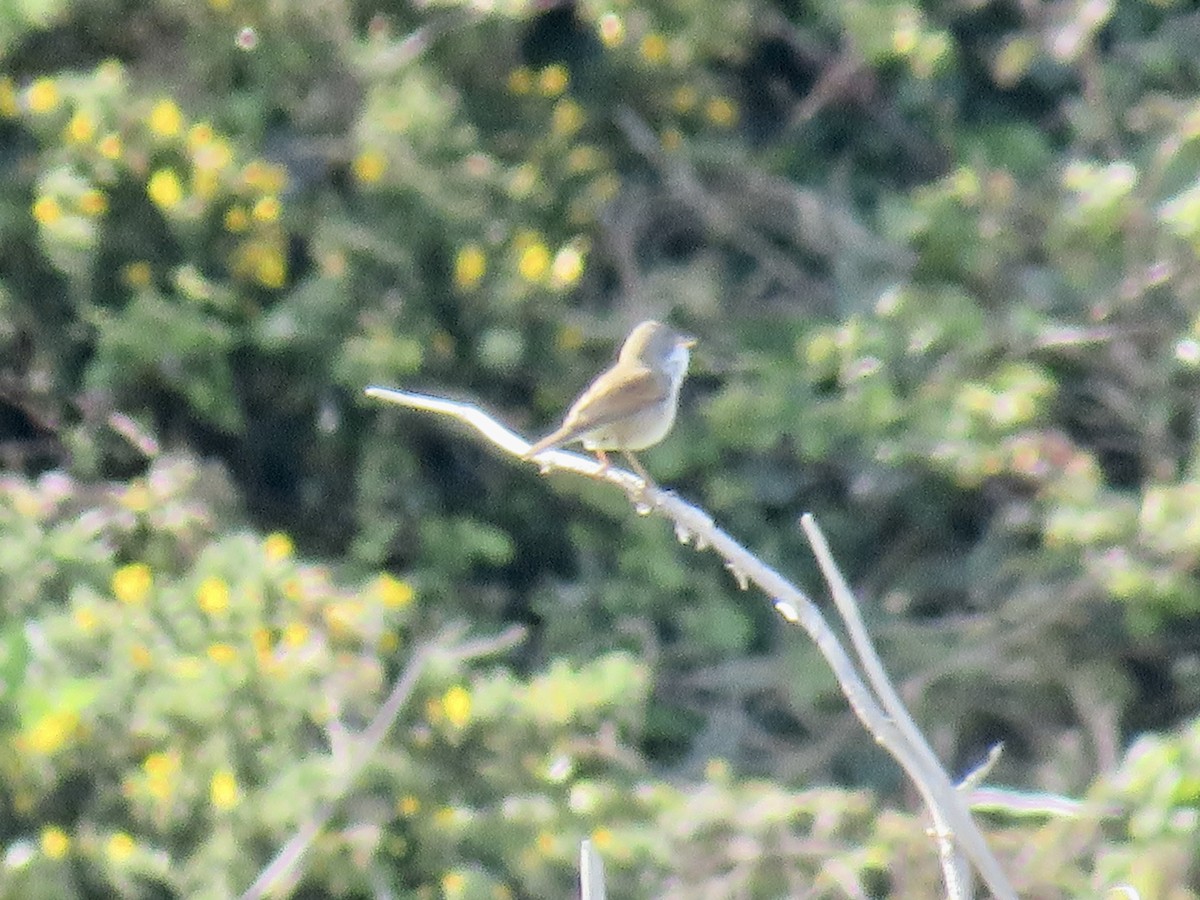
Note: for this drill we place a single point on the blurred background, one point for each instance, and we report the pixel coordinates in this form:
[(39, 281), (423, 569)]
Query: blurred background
[(942, 261)]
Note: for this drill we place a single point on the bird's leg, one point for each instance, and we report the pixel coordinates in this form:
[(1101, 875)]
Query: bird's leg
[(647, 481), (604, 461)]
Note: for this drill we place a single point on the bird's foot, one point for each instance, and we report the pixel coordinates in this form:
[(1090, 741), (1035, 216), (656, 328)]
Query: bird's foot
[(605, 463)]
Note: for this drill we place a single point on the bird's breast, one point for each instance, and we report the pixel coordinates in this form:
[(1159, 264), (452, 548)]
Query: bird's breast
[(636, 432)]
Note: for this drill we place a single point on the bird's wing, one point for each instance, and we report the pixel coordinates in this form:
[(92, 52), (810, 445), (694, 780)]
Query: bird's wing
[(614, 395)]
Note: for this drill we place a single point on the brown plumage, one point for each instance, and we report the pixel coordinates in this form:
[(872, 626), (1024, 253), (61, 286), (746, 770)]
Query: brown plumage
[(630, 406)]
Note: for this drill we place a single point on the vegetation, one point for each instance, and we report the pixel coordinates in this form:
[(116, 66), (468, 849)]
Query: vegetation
[(942, 259)]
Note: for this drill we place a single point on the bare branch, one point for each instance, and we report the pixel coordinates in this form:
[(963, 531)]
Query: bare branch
[(954, 866), (979, 774), (591, 873), (286, 860), (954, 825)]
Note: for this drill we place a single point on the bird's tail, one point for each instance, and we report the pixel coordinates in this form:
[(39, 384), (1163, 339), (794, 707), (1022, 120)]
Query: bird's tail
[(553, 439)]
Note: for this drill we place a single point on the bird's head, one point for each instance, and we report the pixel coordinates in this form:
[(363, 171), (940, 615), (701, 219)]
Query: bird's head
[(660, 347)]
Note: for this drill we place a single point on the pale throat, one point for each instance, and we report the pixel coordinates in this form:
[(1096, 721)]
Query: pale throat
[(676, 365)]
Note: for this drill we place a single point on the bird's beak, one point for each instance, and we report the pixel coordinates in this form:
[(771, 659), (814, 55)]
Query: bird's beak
[(687, 340)]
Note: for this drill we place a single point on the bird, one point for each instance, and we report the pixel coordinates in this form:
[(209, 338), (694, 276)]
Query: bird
[(631, 405)]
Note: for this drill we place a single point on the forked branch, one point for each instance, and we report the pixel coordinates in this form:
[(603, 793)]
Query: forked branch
[(959, 838)]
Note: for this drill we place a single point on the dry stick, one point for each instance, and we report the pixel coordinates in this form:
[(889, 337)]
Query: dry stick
[(693, 524), (370, 739), (954, 865), (591, 873)]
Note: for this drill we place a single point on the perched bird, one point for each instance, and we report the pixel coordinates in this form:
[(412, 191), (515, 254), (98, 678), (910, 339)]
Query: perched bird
[(630, 406)]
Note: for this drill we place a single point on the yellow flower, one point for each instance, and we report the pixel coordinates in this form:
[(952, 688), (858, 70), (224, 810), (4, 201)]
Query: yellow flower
[(524, 180), (261, 639), (654, 48), (139, 655), (343, 617), (110, 73), (433, 709), (27, 504), (160, 769), (570, 338), (164, 189), (50, 733), (160, 765), (120, 847), (567, 267), (671, 139), (137, 275), (160, 789), (534, 261), (567, 117), (199, 136), (188, 668), (684, 99), (213, 595), (520, 80), (55, 842), (165, 119), (295, 635), (453, 884), (93, 203), (263, 176), (470, 265), (369, 166), (293, 589), (236, 219), (716, 769), (47, 211), (110, 146), (131, 583), (612, 30), (9, 105), (408, 805), (266, 209), (81, 128), (552, 80), (456, 704), (42, 96), (277, 547), (136, 497), (583, 158), (394, 593), (85, 619), (223, 790), (205, 182), (906, 32), (602, 838), (213, 155), (271, 270), (721, 112)]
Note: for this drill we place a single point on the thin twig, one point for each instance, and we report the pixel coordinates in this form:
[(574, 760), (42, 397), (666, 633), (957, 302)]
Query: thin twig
[(368, 743), (591, 873), (958, 879), (695, 526)]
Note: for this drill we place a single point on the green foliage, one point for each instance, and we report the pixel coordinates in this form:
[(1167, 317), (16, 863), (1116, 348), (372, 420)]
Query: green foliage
[(177, 715), (941, 259)]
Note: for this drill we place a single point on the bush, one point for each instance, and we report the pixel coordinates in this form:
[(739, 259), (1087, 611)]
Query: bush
[(940, 259)]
